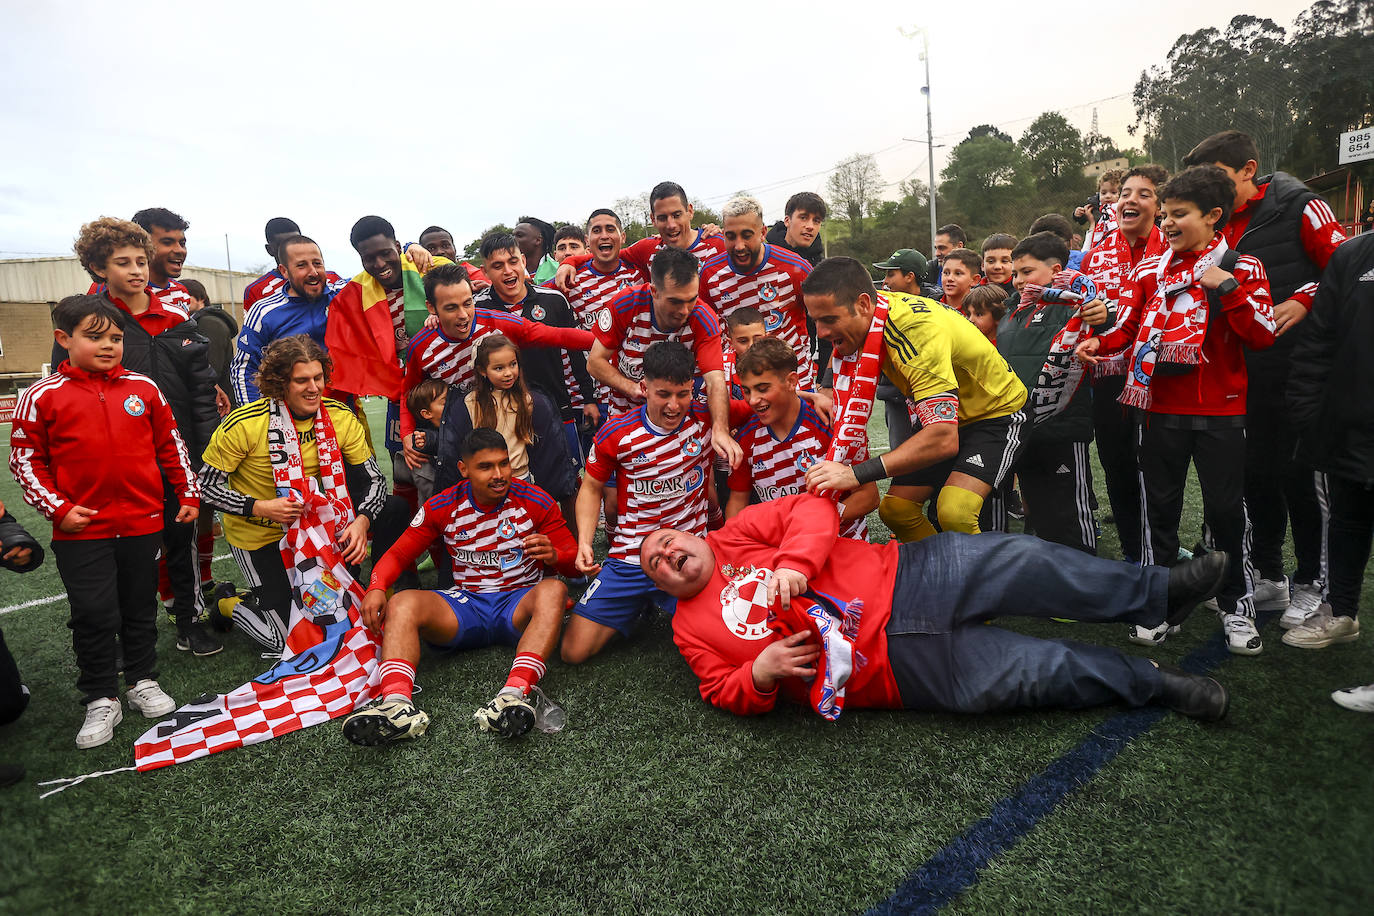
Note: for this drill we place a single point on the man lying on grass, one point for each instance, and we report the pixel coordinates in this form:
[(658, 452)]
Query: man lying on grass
[(777, 599)]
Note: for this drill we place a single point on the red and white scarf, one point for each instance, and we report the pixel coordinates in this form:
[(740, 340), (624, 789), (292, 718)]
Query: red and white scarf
[(1173, 323), (856, 385), (1105, 225), (1062, 373), (1109, 264)]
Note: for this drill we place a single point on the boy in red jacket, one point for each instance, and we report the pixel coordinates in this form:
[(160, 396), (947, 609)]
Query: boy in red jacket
[(1184, 319), (89, 446)]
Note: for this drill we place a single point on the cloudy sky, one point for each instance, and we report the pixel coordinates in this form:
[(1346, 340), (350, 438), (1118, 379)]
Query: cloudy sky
[(467, 114)]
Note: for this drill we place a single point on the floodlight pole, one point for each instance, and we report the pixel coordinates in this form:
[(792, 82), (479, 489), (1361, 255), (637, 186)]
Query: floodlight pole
[(930, 128)]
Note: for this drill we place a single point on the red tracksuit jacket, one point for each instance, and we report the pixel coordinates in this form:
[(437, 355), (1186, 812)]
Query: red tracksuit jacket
[(102, 440), (722, 629)]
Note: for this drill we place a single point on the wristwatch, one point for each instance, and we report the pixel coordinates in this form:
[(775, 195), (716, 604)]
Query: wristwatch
[(1228, 286)]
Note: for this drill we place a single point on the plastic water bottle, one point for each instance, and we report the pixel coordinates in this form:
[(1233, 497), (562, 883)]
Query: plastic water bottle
[(549, 717)]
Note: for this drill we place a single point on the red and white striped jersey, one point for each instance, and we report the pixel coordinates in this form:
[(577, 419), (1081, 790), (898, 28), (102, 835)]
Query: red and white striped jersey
[(396, 304), (487, 545), (774, 288), (270, 283), (626, 327), (642, 252), (662, 476), (593, 291), (775, 467)]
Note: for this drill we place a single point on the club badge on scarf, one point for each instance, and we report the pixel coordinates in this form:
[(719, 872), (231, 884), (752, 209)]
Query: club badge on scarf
[(330, 664), (856, 385), (1109, 264), (1173, 323), (1062, 373)]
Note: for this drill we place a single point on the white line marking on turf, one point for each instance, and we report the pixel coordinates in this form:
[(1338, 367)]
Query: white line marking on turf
[(52, 598)]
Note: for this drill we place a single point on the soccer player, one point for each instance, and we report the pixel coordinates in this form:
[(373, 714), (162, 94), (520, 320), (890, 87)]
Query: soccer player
[(666, 308), (800, 228), (502, 535), (597, 281), (168, 232), (536, 239), (750, 272), (239, 478), (777, 605), (672, 215), (1184, 320), (783, 438), (568, 241), (1291, 231), (661, 455), (438, 241), (300, 305), (562, 375), (277, 230), (965, 400)]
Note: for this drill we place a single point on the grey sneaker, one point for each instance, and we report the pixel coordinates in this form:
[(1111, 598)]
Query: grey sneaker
[(101, 718), (1305, 601), (148, 698), (1271, 595), (1320, 631)]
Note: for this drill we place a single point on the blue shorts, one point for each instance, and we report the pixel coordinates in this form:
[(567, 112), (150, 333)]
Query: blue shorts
[(574, 437), (392, 434), (618, 595), (484, 619)]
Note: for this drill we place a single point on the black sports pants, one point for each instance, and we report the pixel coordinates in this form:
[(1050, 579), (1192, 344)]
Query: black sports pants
[(1278, 489), (1114, 429), (1351, 537)]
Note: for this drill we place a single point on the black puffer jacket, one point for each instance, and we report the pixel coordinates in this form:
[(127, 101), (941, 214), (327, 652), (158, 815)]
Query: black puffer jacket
[(221, 330), (1331, 381), (178, 363), (1024, 336), (550, 466)]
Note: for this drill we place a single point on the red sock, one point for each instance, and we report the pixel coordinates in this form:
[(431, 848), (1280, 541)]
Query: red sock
[(526, 672), (205, 547), (398, 678)]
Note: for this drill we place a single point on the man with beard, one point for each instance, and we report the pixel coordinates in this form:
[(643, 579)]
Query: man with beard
[(277, 230), (299, 306)]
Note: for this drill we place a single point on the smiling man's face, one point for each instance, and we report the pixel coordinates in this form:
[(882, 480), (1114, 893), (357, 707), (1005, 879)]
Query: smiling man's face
[(677, 562)]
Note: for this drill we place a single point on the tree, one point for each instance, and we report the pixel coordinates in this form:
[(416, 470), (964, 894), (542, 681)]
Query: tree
[(634, 209), (702, 214), (1336, 93), (854, 187), (473, 247), (1099, 147), (1054, 153), (983, 173), (987, 130)]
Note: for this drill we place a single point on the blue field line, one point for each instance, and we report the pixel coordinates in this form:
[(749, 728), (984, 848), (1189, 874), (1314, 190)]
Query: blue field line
[(956, 867)]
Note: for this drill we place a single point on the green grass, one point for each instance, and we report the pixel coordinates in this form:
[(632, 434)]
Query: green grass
[(653, 802)]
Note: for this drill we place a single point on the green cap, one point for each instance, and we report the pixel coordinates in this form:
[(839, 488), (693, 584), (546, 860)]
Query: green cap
[(908, 260)]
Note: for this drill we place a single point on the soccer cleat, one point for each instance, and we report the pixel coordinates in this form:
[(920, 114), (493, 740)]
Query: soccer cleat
[(1305, 601), (1151, 636), (192, 638), (1321, 630), (1271, 595), (384, 723), (101, 718), (1193, 695), (148, 698), (1360, 699), (1241, 636), (510, 715)]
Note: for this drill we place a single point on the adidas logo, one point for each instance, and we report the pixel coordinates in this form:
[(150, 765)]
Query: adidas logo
[(1368, 276), (1063, 469), (976, 460)]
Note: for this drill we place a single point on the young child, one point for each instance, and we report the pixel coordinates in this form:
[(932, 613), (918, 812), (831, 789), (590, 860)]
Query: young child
[(960, 274), (568, 241), (1102, 218), (1184, 320), (90, 446), (1060, 226), (1053, 470), (426, 404), (997, 260), (528, 420), (784, 438), (985, 306), (744, 328)]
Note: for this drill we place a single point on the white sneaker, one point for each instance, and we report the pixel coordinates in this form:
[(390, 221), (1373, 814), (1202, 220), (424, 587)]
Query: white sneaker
[(1360, 699), (1151, 636), (1320, 631), (1271, 595), (1241, 636), (1305, 601), (101, 718), (147, 697)]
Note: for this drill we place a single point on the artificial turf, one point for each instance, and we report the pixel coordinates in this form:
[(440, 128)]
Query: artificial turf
[(650, 801)]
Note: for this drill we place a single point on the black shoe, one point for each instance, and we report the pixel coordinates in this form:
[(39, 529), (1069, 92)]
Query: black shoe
[(192, 638), (1194, 581), (1192, 695), (219, 622), (10, 773)]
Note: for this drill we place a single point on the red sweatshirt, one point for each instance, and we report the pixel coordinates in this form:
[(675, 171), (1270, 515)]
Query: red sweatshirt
[(102, 440), (1216, 387), (723, 628)]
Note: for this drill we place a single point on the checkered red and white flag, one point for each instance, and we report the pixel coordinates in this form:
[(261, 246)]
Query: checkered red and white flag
[(331, 668)]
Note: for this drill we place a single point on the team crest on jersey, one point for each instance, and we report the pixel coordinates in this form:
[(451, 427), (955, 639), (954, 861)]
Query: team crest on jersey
[(134, 406), (538, 313), (772, 321), (506, 529), (419, 518), (744, 604), (805, 460), (603, 320), (691, 448), (768, 292)]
